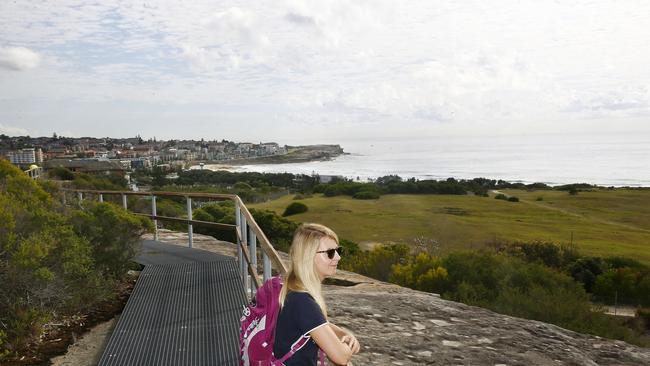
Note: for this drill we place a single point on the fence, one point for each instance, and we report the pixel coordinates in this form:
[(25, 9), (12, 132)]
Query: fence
[(249, 235)]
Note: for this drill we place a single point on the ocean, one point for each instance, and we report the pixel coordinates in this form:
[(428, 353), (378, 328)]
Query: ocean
[(605, 159)]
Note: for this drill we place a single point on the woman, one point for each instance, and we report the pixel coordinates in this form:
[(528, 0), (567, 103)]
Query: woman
[(314, 254)]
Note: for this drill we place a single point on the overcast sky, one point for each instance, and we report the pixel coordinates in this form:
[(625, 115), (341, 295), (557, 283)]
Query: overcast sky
[(322, 70)]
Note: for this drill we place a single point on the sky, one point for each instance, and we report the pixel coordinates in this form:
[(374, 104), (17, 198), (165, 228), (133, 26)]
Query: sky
[(323, 70)]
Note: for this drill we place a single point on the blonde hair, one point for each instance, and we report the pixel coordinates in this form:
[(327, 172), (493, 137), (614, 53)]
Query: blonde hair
[(302, 275)]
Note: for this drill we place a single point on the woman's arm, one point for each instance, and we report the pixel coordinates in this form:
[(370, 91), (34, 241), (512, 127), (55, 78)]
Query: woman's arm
[(337, 351), (346, 337)]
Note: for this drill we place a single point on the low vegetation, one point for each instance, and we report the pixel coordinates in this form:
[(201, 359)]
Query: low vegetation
[(55, 260), (531, 280), (295, 208)]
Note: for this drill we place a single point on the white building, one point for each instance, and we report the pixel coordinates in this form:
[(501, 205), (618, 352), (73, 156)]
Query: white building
[(26, 156)]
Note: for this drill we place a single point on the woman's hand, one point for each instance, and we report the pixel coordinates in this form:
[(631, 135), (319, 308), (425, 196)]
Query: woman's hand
[(351, 341)]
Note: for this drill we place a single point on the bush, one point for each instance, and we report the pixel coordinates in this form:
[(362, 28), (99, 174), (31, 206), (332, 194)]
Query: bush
[(61, 173), (242, 186), (46, 267), (350, 248), (513, 199), (421, 272), (220, 212), (366, 195), (378, 262), (113, 233), (501, 196), (295, 208), (277, 229), (548, 253)]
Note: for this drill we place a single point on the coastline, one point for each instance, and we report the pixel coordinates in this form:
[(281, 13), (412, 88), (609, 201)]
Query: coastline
[(295, 154), (610, 163)]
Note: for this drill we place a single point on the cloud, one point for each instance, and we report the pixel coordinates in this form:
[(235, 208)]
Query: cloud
[(13, 131), (300, 19), (630, 101), (335, 62), (18, 58)]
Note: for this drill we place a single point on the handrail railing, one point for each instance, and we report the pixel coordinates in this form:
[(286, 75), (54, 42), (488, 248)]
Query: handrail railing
[(34, 172), (249, 234)]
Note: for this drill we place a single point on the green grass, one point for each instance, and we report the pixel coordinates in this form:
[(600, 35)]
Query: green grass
[(604, 222)]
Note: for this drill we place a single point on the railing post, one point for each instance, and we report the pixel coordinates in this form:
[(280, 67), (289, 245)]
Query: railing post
[(101, 197), (267, 266), (124, 204), (80, 197), (244, 234), (240, 252), (252, 248), (63, 198), (153, 212), (189, 225)]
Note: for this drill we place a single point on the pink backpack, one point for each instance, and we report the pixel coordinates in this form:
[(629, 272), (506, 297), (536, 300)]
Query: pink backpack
[(257, 330)]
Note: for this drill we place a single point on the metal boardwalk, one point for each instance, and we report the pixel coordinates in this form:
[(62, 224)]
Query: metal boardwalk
[(184, 310)]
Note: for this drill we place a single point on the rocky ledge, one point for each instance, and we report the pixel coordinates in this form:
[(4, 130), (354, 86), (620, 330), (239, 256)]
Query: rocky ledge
[(400, 326), (295, 154)]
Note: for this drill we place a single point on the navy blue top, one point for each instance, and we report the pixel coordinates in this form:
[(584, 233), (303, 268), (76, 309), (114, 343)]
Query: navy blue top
[(299, 315)]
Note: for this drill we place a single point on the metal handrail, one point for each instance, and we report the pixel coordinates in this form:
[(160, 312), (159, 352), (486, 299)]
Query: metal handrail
[(34, 172), (248, 232)]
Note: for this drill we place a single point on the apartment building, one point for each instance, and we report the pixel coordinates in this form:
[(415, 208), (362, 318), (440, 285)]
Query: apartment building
[(26, 156)]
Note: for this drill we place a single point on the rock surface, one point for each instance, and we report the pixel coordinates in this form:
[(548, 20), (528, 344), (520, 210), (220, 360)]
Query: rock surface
[(400, 326)]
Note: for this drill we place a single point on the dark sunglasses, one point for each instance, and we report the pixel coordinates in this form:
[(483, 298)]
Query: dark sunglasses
[(330, 252)]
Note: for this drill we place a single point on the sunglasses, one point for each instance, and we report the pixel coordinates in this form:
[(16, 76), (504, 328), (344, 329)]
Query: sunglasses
[(330, 252)]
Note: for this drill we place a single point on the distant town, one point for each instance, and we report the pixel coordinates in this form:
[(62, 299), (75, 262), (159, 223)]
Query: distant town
[(93, 155)]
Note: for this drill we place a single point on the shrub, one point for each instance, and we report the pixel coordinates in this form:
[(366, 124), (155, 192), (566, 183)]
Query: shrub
[(295, 208), (540, 198), (220, 212), (501, 196), (61, 173), (513, 199), (422, 272), (46, 267), (242, 186), (547, 253), (277, 229), (350, 248), (378, 262), (366, 195), (113, 233)]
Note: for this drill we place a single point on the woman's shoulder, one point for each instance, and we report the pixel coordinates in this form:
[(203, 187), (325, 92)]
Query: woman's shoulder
[(299, 296)]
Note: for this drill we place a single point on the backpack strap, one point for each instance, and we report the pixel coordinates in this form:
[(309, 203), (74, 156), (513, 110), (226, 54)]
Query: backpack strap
[(322, 357), (297, 346)]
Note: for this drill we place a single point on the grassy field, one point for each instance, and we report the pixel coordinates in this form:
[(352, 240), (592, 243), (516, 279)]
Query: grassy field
[(603, 222)]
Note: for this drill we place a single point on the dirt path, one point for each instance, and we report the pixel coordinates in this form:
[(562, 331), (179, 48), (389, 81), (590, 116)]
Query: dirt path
[(87, 350)]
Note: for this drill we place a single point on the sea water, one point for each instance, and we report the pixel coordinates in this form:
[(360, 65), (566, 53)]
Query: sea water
[(605, 159)]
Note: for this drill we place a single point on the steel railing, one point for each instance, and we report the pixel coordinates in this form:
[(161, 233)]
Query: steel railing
[(34, 172), (249, 235)]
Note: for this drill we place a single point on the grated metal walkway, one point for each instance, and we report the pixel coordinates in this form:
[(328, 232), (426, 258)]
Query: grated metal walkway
[(184, 310)]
